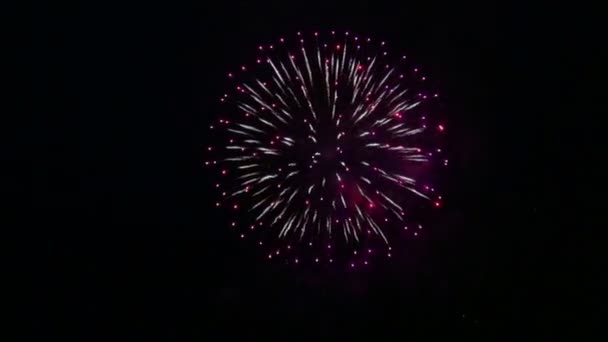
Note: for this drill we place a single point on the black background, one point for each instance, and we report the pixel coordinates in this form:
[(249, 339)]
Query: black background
[(123, 241)]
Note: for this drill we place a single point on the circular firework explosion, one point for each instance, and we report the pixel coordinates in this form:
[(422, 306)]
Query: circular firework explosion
[(328, 150)]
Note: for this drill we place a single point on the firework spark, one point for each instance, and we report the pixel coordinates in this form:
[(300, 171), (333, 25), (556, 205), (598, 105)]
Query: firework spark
[(326, 143)]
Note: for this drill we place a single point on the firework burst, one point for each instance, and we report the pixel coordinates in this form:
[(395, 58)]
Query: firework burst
[(327, 150)]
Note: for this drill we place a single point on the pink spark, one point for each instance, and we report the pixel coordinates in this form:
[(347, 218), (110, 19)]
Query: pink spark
[(441, 128)]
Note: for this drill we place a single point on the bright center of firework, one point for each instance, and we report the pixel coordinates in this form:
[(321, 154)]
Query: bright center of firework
[(327, 140)]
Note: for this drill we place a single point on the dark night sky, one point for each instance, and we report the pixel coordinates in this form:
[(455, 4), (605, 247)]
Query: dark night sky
[(126, 244)]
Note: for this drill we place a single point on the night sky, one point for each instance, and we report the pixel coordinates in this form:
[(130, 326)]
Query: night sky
[(124, 238)]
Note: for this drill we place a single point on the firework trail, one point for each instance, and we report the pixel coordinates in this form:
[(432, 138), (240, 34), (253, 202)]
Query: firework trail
[(326, 142)]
